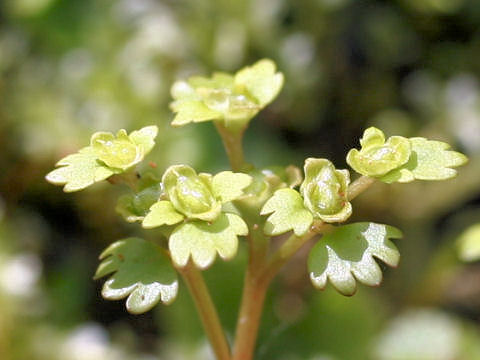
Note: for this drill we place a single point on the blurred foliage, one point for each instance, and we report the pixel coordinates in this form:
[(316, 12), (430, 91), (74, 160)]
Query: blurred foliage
[(71, 68)]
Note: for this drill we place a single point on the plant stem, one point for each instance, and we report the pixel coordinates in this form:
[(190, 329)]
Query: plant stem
[(207, 311), (232, 141), (289, 248), (359, 186), (253, 298)]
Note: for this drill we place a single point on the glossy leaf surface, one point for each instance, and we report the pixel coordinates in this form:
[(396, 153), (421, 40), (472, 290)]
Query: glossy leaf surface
[(141, 270), (347, 255)]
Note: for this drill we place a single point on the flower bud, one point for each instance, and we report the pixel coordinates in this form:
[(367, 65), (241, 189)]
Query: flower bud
[(117, 152), (191, 194), (325, 190), (377, 157)]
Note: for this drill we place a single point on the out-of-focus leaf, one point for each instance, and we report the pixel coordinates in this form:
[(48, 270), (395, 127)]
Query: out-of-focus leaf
[(421, 335), (142, 271), (201, 240), (287, 213), (469, 244), (261, 81), (348, 253)]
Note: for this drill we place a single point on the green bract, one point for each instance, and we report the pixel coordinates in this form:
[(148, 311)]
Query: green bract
[(142, 271), (377, 156), (199, 199), (429, 160), (234, 99), (107, 155), (288, 213), (347, 254), (324, 190)]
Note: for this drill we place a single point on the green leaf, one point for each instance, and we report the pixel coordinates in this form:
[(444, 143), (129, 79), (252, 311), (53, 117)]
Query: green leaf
[(261, 81), (145, 137), (228, 186), (469, 243), (429, 160), (135, 206), (192, 111), (142, 271), (201, 240), (288, 213), (78, 171), (162, 213), (377, 156), (348, 254)]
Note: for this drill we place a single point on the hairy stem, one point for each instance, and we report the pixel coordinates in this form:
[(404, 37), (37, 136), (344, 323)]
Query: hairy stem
[(206, 310), (232, 141)]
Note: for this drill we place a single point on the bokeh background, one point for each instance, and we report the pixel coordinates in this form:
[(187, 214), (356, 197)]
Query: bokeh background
[(69, 68)]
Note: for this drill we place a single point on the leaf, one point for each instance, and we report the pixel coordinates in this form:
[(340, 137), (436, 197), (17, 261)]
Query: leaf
[(201, 240), (348, 254), (145, 137), (430, 160), (78, 171), (142, 271), (469, 243), (162, 213), (228, 186), (134, 207), (288, 213), (192, 111), (261, 81)]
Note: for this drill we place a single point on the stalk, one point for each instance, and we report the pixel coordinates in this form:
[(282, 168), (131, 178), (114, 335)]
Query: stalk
[(206, 310)]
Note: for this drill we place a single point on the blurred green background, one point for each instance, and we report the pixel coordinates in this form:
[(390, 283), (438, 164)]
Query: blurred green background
[(69, 68)]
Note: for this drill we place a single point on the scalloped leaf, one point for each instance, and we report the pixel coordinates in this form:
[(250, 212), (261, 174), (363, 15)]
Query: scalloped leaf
[(141, 270), (287, 213), (228, 186), (261, 81), (348, 253), (429, 160), (162, 213), (201, 240), (80, 170)]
